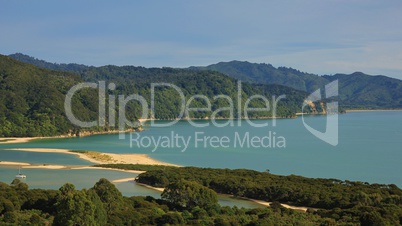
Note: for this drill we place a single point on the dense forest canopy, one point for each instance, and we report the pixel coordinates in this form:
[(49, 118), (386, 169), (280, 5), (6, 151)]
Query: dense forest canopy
[(190, 199), (32, 100), (103, 204), (343, 201)]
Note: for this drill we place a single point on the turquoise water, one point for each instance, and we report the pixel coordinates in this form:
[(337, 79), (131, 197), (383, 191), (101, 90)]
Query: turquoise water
[(369, 147), (55, 178)]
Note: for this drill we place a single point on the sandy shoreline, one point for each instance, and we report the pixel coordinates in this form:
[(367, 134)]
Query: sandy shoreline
[(103, 158), (14, 163), (151, 187), (124, 180), (265, 203), (136, 159), (12, 140)]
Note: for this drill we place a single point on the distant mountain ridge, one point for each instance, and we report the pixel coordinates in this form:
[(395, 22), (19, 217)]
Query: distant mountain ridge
[(357, 90), (267, 74), (51, 66)]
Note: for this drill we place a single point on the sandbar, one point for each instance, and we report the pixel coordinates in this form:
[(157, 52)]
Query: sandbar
[(32, 166), (11, 140), (151, 187), (103, 158), (130, 179), (107, 168), (14, 163), (265, 203)]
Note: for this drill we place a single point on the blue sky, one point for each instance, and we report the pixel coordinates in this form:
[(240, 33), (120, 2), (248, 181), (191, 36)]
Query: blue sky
[(321, 37)]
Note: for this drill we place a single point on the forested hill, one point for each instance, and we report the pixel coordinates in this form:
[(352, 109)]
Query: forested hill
[(32, 98), (137, 79), (268, 74), (211, 84), (357, 90)]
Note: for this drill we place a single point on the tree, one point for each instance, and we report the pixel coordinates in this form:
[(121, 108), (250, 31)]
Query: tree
[(372, 218), (21, 186), (170, 219), (11, 217), (74, 207), (108, 194), (100, 213), (6, 205), (189, 194)]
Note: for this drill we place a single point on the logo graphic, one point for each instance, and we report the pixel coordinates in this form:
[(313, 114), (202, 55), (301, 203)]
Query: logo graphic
[(330, 135)]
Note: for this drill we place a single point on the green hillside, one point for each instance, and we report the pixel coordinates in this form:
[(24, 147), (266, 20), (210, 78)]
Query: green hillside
[(130, 79), (32, 100), (268, 74), (357, 90)]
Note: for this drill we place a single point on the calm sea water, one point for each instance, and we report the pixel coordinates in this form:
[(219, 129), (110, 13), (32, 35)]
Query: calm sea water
[(369, 149)]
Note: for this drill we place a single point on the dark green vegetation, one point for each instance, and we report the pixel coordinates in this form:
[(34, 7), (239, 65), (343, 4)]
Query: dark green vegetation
[(188, 195), (268, 74), (343, 201), (32, 98), (137, 80), (357, 90), (190, 199), (103, 204)]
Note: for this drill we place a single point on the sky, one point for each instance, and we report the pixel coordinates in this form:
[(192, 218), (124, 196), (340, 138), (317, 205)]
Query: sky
[(315, 36)]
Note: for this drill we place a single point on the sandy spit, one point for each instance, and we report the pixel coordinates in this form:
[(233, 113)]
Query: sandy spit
[(11, 140), (106, 158)]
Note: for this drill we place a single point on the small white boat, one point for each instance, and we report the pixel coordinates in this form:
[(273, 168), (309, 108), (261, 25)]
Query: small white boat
[(20, 175)]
